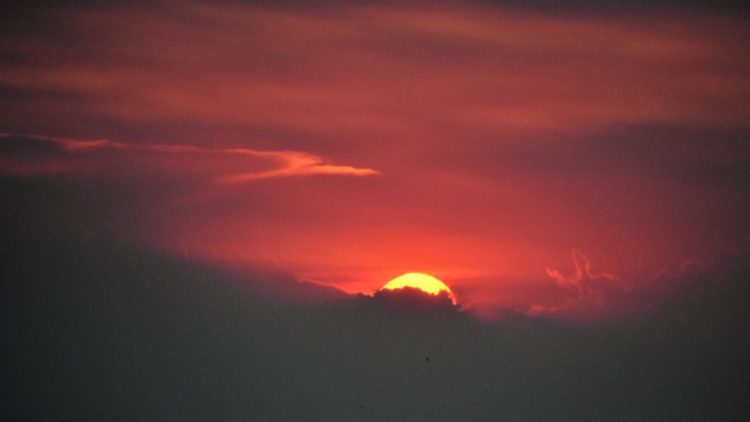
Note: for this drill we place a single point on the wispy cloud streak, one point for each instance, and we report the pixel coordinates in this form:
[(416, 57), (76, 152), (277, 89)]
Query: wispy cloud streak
[(99, 152)]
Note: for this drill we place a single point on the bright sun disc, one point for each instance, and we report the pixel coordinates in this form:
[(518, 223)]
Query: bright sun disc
[(423, 282)]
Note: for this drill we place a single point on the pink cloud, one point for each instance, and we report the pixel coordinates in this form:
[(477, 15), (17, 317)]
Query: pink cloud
[(584, 289)]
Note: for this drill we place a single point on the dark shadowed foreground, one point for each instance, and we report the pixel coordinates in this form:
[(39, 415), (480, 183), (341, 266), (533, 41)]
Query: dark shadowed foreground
[(96, 332)]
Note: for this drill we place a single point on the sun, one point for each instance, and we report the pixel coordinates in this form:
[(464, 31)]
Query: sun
[(423, 282)]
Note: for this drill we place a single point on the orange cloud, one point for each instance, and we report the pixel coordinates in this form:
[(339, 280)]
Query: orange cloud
[(64, 152), (292, 163)]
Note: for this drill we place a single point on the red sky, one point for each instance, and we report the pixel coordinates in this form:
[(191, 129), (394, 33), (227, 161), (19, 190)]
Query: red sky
[(347, 145)]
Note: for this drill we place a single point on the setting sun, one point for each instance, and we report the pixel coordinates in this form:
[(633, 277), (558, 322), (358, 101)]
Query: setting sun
[(423, 282)]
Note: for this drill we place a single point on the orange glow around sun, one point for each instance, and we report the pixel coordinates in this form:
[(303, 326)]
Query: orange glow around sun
[(423, 282)]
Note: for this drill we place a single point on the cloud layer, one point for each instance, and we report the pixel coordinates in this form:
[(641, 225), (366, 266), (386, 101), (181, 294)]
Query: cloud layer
[(94, 331)]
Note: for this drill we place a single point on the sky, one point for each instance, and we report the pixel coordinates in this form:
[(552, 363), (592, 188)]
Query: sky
[(256, 171)]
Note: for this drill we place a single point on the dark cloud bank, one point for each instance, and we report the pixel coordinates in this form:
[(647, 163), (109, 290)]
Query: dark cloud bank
[(91, 331)]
